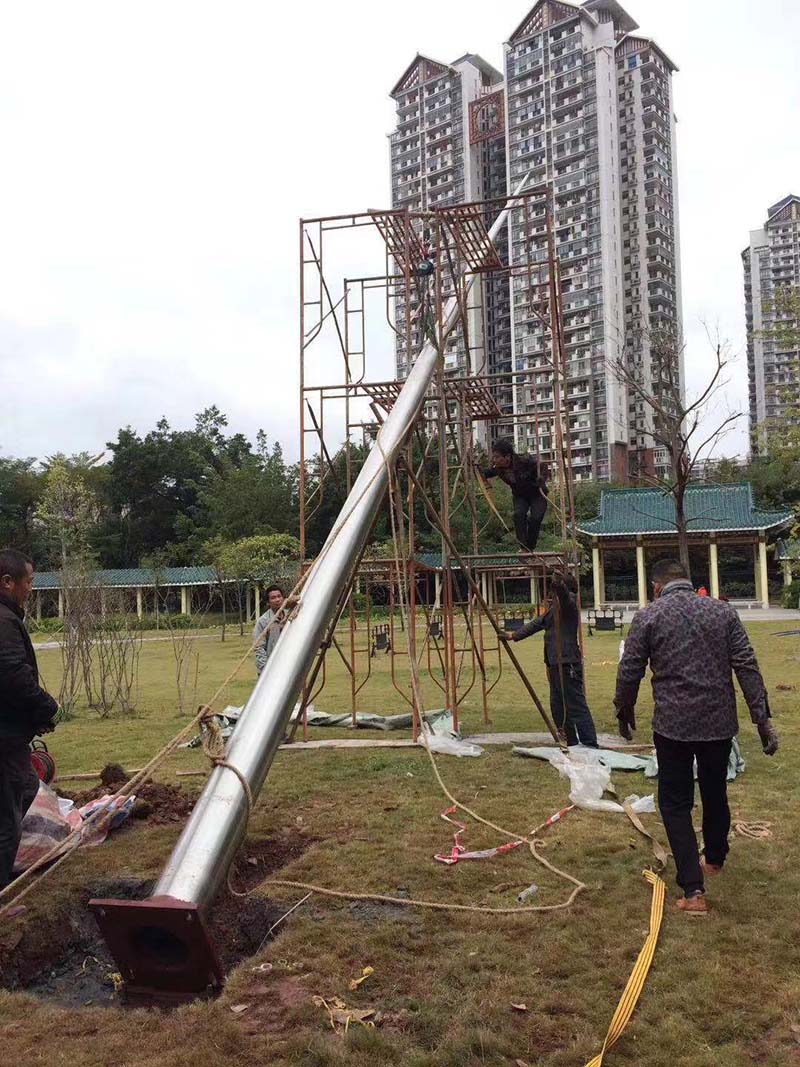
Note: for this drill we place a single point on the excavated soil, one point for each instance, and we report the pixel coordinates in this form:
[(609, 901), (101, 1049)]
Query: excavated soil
[(157, 802), (63, 958)]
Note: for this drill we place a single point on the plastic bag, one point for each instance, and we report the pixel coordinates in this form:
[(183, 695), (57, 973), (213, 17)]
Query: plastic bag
[(443, 745), (589, 778)]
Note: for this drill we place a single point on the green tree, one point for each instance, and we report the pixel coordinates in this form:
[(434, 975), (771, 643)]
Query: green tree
[(157, 484), (254, 559), (21, 487)]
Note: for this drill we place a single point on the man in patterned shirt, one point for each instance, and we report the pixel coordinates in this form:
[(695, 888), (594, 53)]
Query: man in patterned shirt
[(693, 645)]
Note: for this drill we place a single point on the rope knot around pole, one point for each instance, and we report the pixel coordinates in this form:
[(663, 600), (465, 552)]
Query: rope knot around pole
[(214, 747)]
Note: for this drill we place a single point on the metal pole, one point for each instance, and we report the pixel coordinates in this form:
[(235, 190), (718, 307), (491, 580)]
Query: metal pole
[(161, 943)]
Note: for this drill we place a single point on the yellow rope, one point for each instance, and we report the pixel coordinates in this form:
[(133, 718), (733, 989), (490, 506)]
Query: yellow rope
[(633, 989)]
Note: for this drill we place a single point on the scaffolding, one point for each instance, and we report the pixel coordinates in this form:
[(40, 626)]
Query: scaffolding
[(415, 262)]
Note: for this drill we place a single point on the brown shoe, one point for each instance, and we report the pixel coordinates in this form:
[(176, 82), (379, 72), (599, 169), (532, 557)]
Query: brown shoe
[(695, 905), (711, 868)]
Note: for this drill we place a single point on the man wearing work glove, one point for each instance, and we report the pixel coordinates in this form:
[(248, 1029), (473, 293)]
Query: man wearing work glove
[(25, 708), (564, 661), (693, 645)]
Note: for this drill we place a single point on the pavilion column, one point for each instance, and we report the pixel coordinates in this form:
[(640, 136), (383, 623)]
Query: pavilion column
[(437, 586), (39, 607), (787, 572), (258, 601), (713, 568), (139, 604), (61, 603), (597, 578), (185, 600), (641, 575), (762, 568), (533, 590), (757, 573)]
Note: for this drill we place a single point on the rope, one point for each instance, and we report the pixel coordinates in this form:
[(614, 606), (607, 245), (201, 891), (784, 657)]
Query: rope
[(633, 989), (757, 831), (214, 747)]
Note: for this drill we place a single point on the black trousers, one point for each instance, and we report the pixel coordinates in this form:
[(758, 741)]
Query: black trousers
[(676, 800), (19, 785), (568, 705), (529, 513)]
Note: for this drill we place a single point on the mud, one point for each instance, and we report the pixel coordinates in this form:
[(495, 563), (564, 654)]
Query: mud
[(64, 959)]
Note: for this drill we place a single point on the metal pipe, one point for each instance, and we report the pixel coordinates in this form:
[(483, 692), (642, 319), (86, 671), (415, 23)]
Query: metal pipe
[(149, 939)]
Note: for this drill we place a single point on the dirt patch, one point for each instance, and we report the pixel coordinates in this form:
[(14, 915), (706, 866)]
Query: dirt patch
[(158, 802), (273, 1004), (64, 959)]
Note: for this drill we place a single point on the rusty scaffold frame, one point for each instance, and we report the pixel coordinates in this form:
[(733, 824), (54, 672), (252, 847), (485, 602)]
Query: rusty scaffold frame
[(427, 256)]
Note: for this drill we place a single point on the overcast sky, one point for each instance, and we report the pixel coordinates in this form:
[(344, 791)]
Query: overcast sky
[(157, 155)]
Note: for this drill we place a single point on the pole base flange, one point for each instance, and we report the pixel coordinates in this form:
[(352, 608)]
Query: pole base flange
[(161, 947)]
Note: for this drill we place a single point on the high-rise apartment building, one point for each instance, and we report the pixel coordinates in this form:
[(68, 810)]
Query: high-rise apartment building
[(587, 112), (448, 148), (590, 112), (772, 264)]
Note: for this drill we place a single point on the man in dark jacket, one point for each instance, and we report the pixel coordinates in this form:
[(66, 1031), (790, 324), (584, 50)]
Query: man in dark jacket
[(560, 623), (527, 479), (693, 645), (25, 708)]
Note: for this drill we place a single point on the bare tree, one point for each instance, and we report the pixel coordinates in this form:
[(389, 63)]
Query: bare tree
[(184, 633), (117, 646), (679, 425), (68, 512)]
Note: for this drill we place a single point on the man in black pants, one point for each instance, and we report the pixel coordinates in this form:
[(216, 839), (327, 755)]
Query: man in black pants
[(25, 708), (527, 479), (693, 645), (568, 705)]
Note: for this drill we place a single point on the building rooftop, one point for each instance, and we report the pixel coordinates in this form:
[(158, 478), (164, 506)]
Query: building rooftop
[(787, 200), (483, 66), (709, 508), (624, 22), (420, 70), (143, 577)]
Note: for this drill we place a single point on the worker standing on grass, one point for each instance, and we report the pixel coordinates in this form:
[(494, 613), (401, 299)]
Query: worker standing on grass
[(527, 479), (266, 644), (25, 708), (693, 644), (564, 662)]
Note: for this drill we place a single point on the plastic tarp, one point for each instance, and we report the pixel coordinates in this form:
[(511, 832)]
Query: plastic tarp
[(614, 760), (590, 777), (365, 720), (736, 764)]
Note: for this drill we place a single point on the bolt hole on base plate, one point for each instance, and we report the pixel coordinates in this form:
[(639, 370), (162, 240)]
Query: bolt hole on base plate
[(161, 946)]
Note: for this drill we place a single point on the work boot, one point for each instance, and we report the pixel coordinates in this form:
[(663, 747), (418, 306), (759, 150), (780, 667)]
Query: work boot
[(711, 868), (693, 905)]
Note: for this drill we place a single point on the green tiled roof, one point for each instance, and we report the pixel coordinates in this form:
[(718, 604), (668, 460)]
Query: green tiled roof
[(709, 508), (136, 577), (787, 550)]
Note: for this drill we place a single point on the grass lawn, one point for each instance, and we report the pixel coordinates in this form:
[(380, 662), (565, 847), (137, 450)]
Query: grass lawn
[(722, 991)]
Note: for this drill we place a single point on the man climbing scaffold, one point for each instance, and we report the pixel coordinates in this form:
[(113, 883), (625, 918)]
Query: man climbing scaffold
[(527, 479)]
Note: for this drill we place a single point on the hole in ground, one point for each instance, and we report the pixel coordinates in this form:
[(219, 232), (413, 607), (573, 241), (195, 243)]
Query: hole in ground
[(64, 959)]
